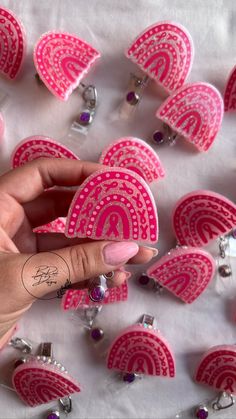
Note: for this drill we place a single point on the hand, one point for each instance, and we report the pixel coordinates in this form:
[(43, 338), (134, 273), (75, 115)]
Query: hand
[(32, 265)]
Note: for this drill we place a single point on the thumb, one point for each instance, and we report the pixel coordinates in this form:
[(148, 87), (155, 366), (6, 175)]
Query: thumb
[(49, 271)]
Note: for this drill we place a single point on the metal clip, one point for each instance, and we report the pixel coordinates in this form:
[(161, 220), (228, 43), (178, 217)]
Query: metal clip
[(98, 287), (86, 116), (135, 90), (66, 404), (222, 246), (217, 405), (167, 135), (21, 344), (148, 321), (46, 349), (90, 314)]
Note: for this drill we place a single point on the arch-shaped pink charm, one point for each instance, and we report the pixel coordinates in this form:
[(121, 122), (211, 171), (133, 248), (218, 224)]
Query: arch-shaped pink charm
[(56, 226), (142, 351), (230, 91), (37, 383), (164, 51), (13, 43), (195, 111), (36, 146), (217, 368), (185, 272), (62, 60), (74, 299), (113, 204), (202, 216), (136, 155)]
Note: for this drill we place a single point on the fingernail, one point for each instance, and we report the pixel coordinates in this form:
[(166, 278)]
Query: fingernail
[(119, 253), (126, 273), (153, 249)]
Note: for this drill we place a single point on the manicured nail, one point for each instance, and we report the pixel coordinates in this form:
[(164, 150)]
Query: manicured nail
[(127, 274), (153, 249), (119, 253)]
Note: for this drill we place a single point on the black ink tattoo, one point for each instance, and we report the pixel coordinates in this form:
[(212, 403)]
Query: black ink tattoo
[(63, 289), (34, 274), (45, 275)]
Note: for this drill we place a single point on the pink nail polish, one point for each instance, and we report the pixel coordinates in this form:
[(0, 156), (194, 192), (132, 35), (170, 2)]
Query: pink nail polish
[(119, 253)]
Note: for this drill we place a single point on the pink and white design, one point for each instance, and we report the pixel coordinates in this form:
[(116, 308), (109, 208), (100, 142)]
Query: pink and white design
[(13, 43), (74, 299), (2, 126), (56, 226), (217, 368), (195, 111), (113, 204), (32, 148), (230, 92), (185, 272), (164, 51), (142, 351), (202, 216), (133, 154), (37, 383), (62, 60)]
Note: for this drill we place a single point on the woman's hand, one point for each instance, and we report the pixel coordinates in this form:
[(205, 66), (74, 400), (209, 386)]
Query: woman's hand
[(31, 264)]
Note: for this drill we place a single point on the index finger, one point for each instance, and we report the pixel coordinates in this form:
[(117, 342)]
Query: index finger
[(27, 182)]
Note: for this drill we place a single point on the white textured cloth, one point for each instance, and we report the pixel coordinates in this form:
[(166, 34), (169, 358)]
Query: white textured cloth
[(190, 330)]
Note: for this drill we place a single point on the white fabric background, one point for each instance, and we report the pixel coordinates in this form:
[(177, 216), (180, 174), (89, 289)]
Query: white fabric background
[(110, 26)]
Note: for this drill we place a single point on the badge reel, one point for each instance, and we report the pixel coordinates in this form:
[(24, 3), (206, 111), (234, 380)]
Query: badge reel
[(138, 351), (184, 271), (111, 204), (33, 148), (13, 51), (194, 112), (40, 379), (62, 60), (83, 310), (201, 217), (164, 54), (216, 370), (136, 155)]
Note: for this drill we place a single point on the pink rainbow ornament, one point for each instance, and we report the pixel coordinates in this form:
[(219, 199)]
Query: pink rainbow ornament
[(62, 60), (56, 226), (217, 368), (74, 299), (186, 272), (133, 154), (195, 112), (141, 350), (163, 51), (36, 146), (202, 216), (113, 204), (230, 91), (13, 43), (37, 382)]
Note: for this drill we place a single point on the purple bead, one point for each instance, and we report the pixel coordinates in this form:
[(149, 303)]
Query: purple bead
[(132, 98), (97, 293), (158, 137), (84, 117), (97, 334), (129, 377), (202, 412), (143, 279), (53, 415)]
